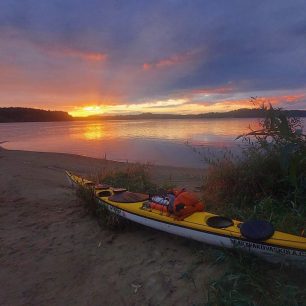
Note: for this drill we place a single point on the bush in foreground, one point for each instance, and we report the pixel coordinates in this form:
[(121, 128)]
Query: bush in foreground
[(269, 179)]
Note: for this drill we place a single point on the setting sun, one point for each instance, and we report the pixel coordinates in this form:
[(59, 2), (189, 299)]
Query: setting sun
[(87, 111)]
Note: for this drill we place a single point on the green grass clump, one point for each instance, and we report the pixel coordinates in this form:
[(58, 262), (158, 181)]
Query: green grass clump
[(134, 177), (106, 218), (250, 281), (269, 180), (89, 199)]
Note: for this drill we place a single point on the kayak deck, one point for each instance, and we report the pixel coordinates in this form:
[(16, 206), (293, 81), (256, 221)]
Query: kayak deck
[(196, 222)]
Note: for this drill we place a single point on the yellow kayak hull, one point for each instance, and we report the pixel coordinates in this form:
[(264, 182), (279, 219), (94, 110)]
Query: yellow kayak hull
[(280, 247)]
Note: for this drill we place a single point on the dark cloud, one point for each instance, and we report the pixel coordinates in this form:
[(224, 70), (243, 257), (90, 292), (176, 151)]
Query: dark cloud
[(256, 45)]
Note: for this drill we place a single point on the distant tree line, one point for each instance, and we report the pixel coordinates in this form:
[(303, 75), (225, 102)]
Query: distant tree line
[(239, 113), (21, 114)]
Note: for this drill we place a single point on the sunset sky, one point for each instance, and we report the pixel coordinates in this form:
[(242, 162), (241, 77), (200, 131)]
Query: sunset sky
[(171, 56)]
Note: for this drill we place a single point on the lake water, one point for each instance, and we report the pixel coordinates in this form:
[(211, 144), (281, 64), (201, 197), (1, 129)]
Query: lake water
[(165, 142)]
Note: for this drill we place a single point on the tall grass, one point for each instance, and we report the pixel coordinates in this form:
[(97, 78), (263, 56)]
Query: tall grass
[(251, 282), (134, 177), (105, 218), (269, 179)]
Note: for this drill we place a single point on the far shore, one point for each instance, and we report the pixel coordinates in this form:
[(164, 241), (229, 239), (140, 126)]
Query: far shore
[(21, 114), (54, 253)]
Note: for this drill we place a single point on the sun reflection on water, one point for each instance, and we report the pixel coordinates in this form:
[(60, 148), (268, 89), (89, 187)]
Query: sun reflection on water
[(88, 132), (93, 133)]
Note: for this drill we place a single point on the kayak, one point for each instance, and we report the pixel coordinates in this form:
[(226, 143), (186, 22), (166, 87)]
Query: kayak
[(203, 226)]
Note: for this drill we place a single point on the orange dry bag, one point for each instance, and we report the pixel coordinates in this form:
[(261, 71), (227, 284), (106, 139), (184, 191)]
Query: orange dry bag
[(185, 204)]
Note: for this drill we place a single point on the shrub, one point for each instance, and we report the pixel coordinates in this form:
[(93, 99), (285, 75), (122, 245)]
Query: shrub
[(135, 177), (269, 180)]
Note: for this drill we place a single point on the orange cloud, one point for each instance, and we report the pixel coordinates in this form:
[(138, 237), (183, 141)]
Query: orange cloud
[(290, 98), (173, 60), (278, 100), (64, 51), (214, 90), (87, 56), (232, 104)]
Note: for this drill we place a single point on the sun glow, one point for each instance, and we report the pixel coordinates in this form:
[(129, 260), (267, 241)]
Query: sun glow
[(159, 106), (195, 102), (87, 111)]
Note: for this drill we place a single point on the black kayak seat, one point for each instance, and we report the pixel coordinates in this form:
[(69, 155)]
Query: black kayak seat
[(104, 193), (219, 222), (257, 230), (128, 197), (119, 190), (102, 186)]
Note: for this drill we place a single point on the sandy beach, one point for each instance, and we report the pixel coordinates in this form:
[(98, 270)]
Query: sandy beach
[(54, 253)]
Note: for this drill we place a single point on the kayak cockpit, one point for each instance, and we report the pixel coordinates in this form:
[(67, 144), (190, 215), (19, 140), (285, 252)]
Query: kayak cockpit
[(128, 197)]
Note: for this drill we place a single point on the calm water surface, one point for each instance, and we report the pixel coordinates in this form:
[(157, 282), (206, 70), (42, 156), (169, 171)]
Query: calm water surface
[(165, 142)]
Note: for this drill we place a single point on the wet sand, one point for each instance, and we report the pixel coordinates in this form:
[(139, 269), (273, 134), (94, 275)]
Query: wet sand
[(54, 253)]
